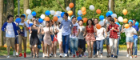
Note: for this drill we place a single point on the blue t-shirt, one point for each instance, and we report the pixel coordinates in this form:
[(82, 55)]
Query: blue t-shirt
[(137, 29)]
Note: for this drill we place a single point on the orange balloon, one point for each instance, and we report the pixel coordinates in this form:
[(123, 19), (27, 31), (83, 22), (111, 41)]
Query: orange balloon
[(126, 26), (84, 13), (125, 20), (47, 19), (71, 5), (85, 20), (55, 18), (70, 13), (124, 11), (115, 19), (98, 26), (83, 9), (98, 11)]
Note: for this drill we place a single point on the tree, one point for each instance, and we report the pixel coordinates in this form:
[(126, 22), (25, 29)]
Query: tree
[(1, 11), (26, 6)]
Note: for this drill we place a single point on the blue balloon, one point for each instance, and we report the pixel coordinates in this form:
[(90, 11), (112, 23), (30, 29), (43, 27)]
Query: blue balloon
[(101, 17), (137, 23), (109, 13), (18, 20), (47, 12), (58, 16), (40, 20), (62, 14), (117, 23), (34, 13), (79, 18), (24, 15), (130, 21), (30, 24)]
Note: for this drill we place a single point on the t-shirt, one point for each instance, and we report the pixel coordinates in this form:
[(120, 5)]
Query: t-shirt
[(129, 31), (75, 30), (23, 30), (10, 30), (107, 23), (59, 34), (40, 35), (100, 33), (82, 28)]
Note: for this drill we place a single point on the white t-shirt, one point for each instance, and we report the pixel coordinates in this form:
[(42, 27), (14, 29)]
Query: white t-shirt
[(82, 28), (129, 31), (59, 34), (10, 30), (25, 31), (75, 30), (100, 34)]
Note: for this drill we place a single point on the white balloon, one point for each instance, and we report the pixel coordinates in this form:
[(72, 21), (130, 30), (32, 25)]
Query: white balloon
[(114, 15), (30, 16), (52, 12), (60, 19), (120, 19), (69, 18), (68, 8), (28, 11), (42, 16), (91, 7), (79, 12), (58, 13), (101, 23)]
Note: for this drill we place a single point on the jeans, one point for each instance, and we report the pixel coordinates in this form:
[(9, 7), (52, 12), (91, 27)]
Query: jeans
[(65, 40), (113, 45), (135, 46), (94, 48), (118, 45), (74, 45), (99, 44)]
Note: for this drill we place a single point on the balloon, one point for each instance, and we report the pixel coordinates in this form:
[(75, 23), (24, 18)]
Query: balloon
[(98, 26), (34, 13), (18, 20), (24, 15), (114, 15), (30, 16), (83, 9), (84, 13), (71, 5), (28, 11), (40, 20), (70, 13), (124, 11), (69, 18), (79, 12), (91, 7), (110, 12), (120, 19), (101, 17), (130, 21), (55, 18), (60, 19), (47, 19), (47, 12), (79, 18), (58, 13), (52, 12), (85, 20), (126, 26), (101, 23), (98, 11), (115, 19), (137, 23), (62, 14), (68, 8), (125, 20), (42, 16), (117, 23), (30, 24)]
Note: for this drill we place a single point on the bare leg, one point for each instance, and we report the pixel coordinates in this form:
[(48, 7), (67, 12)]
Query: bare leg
[(128, 47), (92, 42), (131, 48), (48, 49), (55, 47), (88, 48)]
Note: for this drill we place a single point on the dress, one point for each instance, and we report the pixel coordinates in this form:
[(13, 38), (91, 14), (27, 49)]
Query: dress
[(47, 36), (90, 36), (34, 37)]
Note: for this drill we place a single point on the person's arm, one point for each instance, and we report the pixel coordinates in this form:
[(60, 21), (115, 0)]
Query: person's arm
[(42, 31), (3, 27), (85, 32), (26, 26), (105, 33), (107, 29), (39, 29), (61, 25), (78, 32), (30, 30), (135, 32), (94, 29)]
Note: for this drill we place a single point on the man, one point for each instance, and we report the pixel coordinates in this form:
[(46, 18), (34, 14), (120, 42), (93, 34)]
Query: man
[(135, 38), (66, 31), (10, 29), (113, 37), (23, 35)]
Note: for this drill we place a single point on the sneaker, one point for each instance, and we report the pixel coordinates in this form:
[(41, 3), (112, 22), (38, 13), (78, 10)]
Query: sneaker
[(80, 55), (63, 55), (85, 55), (108, 55), (43, 55), (24, 55), (14, 53), (115, 56), (66, 55), (54, 55), (50, 55), (60, 55), (8, 56), (101, 56), (135, 56), (73, 56), (127, 55), (112, 55), (77, 53), (130, 57), (20, 55)]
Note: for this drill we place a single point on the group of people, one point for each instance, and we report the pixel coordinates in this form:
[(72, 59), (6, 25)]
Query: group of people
[(69, 35)]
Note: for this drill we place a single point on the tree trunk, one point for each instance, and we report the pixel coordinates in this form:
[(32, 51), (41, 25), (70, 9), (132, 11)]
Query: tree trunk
[(111, 5), (10, 7), (26, 6), (1, 11)]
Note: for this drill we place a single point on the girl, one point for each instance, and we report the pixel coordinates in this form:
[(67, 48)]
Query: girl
[(129, 32), (90, 38), (52, 36)]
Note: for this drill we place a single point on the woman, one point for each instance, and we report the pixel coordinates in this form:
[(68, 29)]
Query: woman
[(47, 39), (34, 41), (52, 36), (129, 32), (90, 38)]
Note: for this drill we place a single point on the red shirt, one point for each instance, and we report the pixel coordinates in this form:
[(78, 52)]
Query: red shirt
[(90, 29), (113, 34)]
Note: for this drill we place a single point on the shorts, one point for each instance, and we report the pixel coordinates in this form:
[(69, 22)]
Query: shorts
[(129, 39), (39, 46), (55, 39), (52, 36), (81, 43), (107, 41), (16, 40)]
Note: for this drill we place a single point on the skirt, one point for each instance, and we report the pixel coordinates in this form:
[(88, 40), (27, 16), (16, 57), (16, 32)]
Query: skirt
[(55, 39), (90, 37)]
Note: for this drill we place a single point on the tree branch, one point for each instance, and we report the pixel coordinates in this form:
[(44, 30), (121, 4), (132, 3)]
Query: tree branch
[(61, 6)]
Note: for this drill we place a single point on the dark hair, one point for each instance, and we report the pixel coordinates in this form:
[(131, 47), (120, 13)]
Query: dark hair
[(66, 14), (91, 22), (16, 16), (9, 16), (112, 20), (80, 20), (22, 16), (109, 16), (134, 20), (34, 16), (73, 17)]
